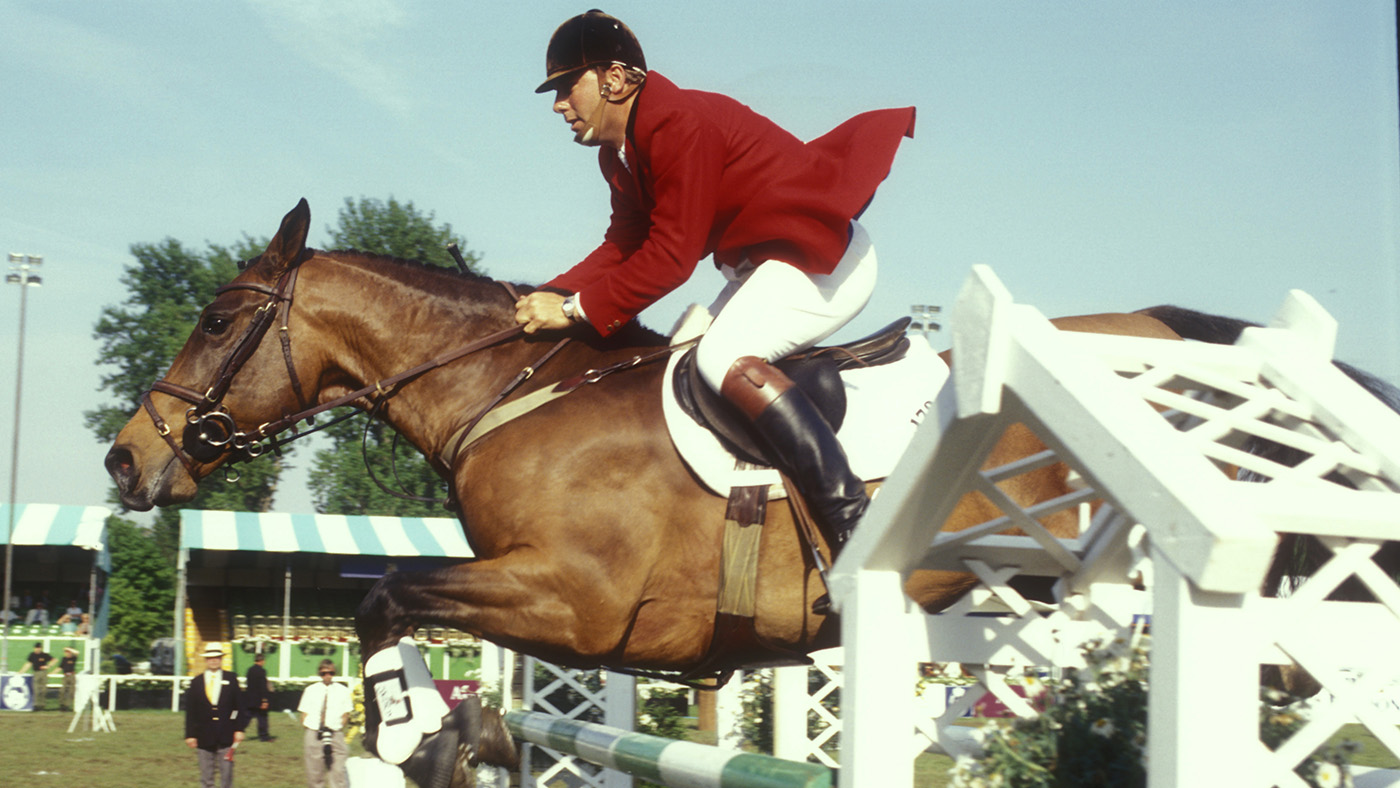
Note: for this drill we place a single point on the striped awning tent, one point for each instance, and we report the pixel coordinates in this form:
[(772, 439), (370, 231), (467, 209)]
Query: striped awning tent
[(63, 526), (278, 532)]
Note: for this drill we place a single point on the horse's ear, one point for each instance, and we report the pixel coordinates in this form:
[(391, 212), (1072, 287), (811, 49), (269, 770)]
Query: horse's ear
[(288, 247)]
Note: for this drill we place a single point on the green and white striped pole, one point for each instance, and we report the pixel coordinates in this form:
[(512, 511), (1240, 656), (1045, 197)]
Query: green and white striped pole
[(677, 764)]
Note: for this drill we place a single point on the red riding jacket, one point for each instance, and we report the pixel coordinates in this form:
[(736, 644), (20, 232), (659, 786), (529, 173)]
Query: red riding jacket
[(704, 174)]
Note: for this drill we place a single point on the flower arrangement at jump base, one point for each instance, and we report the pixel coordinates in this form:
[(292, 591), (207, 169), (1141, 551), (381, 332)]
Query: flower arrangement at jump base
[(1092, 731)]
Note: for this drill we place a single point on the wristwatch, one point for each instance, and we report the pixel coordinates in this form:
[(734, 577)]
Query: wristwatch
[(570, 307)]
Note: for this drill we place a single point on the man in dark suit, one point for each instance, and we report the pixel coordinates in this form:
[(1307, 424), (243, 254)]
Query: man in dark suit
[(214, 718), (258, 694)]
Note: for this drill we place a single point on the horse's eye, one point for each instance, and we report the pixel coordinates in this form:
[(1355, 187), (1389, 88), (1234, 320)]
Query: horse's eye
[(213, 325)]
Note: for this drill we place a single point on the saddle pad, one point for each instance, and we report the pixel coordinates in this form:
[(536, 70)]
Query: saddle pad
[(884, 406)]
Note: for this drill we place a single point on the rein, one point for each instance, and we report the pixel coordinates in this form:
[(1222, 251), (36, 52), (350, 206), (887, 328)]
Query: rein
[(212, 431), (216, 429)]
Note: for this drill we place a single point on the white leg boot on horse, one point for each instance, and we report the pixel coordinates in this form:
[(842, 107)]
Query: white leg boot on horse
[(801, 444), (408, 724)]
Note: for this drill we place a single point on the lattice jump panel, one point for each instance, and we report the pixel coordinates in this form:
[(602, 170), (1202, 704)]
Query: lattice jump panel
[(565, 693)]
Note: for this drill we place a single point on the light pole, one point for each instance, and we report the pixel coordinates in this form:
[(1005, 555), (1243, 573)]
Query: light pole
[(924, 315), (21, 267)]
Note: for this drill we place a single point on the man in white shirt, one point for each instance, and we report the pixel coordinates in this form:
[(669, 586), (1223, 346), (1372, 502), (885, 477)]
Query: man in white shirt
[(325, 711)]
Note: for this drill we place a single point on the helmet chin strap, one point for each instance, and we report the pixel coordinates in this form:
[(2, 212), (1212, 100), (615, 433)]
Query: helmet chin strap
[(592, 131)]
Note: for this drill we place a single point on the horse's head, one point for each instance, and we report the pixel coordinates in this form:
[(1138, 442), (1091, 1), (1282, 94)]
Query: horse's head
[(226, 381)]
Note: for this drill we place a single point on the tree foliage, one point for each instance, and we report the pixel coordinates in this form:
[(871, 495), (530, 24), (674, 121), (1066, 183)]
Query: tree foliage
[(398, 230), (141, 588)]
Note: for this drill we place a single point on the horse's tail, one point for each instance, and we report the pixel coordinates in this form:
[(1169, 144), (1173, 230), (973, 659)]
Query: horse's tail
[(1190, 324)]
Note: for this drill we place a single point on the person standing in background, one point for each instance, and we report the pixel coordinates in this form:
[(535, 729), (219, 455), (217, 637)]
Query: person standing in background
[(39, 661), (68, 666), (325, 711), (259, 693), (214, 719)]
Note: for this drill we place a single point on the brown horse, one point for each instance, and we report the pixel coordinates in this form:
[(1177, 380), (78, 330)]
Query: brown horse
[(595, 544)]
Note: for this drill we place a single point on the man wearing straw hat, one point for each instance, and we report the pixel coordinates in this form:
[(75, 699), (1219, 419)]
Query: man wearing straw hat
[(214, 718)]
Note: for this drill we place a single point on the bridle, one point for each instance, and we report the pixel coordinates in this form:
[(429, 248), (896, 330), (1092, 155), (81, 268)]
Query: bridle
[(211, 431), (212, 428)]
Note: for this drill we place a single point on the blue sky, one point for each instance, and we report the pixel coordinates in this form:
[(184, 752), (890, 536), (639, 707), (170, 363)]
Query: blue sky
[(1100, 156)]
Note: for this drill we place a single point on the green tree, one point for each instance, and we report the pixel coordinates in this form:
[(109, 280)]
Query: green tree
[(339, 481), (141, 588)]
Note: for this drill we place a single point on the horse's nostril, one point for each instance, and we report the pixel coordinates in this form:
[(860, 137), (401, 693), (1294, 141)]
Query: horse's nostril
[(119, 462)]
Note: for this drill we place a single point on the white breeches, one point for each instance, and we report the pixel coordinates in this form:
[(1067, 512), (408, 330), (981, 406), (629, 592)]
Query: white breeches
[(773, 309)]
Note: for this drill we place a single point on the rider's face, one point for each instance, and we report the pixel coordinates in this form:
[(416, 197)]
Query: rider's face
[(582, 106)]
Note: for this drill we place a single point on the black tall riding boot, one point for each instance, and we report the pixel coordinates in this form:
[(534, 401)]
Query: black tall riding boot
[(801, 444)]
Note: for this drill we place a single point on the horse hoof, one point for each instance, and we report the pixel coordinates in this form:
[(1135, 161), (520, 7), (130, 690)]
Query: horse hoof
[(434, 763), (496, 746), (470, 735)]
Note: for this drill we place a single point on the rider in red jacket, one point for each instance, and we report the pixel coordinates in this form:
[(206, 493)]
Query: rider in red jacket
[(694, 174)]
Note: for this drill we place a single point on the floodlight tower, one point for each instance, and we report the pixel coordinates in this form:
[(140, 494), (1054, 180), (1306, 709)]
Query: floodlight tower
[(21, 273)]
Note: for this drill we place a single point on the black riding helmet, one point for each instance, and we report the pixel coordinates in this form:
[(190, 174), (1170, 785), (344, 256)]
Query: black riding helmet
[(587, 40)]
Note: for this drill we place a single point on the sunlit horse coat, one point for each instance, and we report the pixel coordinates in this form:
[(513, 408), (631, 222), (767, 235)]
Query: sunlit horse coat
[(703, 174)]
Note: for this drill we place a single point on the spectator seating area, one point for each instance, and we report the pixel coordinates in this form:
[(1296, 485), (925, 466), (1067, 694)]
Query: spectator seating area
[(31, 631), (318, 624), (326, 615)]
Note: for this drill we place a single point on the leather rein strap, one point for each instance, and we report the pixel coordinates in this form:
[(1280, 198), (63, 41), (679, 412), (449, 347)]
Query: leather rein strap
[(206, 413)]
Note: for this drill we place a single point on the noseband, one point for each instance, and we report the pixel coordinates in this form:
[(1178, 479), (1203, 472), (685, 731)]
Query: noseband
[(212, 431)]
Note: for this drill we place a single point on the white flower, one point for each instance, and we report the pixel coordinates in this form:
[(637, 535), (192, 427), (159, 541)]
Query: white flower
[(1103, 726), (1328, 775)]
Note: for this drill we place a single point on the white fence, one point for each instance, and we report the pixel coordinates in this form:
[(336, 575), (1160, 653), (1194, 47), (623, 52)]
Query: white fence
[(1148, 425)]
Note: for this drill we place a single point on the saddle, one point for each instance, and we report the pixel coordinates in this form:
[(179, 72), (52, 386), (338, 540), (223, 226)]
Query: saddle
[(816, 372)]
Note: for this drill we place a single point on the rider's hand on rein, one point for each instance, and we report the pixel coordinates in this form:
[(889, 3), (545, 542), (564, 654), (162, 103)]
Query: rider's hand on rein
[(541, 310)]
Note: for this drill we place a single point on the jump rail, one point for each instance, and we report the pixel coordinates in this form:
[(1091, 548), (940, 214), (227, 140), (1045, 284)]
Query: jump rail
[(677, 764)]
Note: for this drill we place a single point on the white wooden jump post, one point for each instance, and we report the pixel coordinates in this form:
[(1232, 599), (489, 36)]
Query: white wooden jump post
[(1149, 426)]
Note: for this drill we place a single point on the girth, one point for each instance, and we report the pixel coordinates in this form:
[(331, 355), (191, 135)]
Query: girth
[(816, 372)]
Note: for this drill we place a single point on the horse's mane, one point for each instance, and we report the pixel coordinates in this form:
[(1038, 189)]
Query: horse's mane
[(351, 255), (429, 277)]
